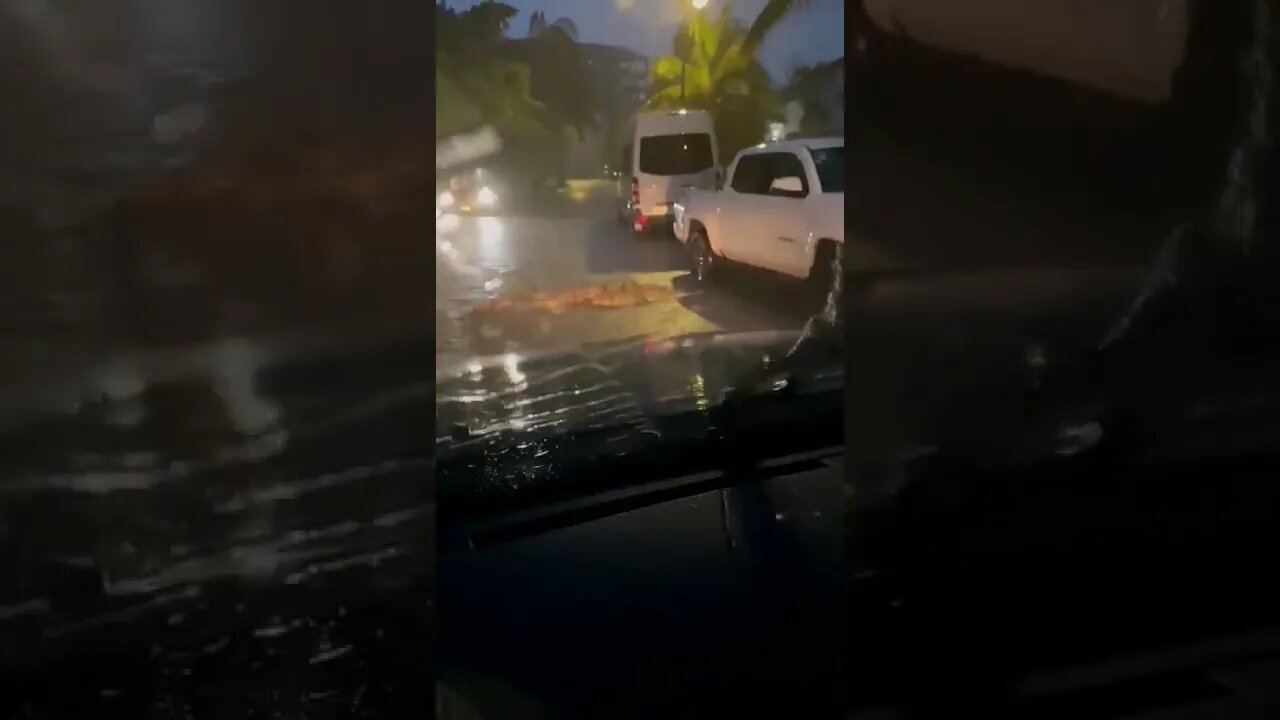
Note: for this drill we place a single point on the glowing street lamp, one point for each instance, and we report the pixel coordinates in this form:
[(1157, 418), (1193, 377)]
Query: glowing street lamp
[(699, 4)]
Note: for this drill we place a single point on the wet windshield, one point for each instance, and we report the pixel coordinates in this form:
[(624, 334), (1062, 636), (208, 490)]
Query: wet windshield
[(683, 154), (563, 251), (585, 353)]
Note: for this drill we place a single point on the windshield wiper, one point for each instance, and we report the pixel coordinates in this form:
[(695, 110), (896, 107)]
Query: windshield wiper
[(821, 339)]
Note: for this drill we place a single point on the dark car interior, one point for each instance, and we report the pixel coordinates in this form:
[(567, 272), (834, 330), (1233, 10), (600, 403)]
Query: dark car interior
[(1086, 533)]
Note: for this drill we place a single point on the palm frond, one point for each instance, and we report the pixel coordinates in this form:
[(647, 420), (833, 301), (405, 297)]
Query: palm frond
[(667, 68), (715, 37), (663, 95), (772, 14)]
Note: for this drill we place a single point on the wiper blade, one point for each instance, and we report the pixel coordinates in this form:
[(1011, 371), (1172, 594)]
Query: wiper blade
[(821, 339)]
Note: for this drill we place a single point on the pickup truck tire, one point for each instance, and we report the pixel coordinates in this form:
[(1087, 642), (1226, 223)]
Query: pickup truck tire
[(702, 260)]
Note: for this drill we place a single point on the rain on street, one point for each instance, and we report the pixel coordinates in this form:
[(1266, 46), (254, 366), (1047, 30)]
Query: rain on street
[(574, 245)]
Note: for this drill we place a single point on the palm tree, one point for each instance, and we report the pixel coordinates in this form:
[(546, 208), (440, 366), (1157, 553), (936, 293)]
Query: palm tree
[(715, 66), (706, 65), (713, 58), (773, 13)]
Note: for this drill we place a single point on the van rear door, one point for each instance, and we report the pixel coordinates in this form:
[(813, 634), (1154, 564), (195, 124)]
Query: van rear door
[(667, 165)]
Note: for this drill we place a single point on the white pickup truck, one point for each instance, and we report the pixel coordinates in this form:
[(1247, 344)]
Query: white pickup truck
[(781, 209)]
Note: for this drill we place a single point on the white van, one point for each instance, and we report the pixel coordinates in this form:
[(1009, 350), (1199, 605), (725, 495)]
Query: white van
[(669, 151)]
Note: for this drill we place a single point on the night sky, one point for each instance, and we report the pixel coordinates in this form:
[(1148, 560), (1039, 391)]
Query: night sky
[(814, 35)]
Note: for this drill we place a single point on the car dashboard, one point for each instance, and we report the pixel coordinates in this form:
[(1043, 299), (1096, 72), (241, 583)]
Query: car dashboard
[(719, 592)]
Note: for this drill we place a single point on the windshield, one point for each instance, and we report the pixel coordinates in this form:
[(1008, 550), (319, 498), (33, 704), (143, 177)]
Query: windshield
[(576, 328), (829, 162), (564, 247), (683, 154)]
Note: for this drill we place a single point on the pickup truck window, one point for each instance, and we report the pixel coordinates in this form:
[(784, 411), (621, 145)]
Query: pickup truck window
[(757, 171), (829, 162), (788, 165), (683, 154), (752, 176)]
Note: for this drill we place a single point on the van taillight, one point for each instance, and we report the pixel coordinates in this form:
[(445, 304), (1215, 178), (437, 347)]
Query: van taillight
[(635, 192)]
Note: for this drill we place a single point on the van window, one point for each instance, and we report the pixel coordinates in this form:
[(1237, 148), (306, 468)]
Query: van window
[(682, 154)]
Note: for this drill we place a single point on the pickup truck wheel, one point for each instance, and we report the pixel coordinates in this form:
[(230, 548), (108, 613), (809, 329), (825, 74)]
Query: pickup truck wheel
[(702, 260)]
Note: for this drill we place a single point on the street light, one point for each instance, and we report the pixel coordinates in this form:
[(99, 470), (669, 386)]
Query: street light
[(699, 4)]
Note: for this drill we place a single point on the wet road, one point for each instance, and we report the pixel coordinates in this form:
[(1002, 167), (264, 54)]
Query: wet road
[(575, 245)]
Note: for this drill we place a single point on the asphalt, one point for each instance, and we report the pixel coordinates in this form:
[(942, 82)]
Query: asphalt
[(581, 244)]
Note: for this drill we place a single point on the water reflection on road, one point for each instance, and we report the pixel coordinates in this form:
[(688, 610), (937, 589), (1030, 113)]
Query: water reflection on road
[(483, 258)]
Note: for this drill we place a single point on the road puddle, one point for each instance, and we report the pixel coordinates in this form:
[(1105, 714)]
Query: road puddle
[(601, 296)]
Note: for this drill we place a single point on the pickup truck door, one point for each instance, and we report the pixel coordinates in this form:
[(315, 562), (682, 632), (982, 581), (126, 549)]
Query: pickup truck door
[(778, 218), (748, 183)]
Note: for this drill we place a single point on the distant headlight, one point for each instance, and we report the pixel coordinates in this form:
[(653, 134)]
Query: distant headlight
[(486, 197), (445, 200)]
